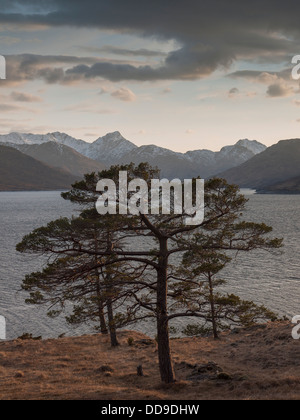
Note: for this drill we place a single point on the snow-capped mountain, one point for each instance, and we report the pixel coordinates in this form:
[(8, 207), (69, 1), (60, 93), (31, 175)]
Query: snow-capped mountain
[(61, 138), (252, 145), (172, 164), (113, 148), (107, 149), (204, 163), (110, 148), (212, 163)]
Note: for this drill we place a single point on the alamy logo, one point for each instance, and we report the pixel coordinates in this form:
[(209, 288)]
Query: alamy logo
[(296, 330), (296, 69), (165, 197), (2, 328), (2, 67)]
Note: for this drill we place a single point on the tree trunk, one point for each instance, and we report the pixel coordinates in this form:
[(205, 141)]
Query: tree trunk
[(111, 323), (102, 319), (103, 327), (109, 292), (164, 351), (212, 306)]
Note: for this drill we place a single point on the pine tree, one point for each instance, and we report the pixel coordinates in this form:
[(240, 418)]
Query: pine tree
[(157, 243)]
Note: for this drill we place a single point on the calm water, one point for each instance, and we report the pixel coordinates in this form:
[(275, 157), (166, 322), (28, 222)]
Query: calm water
[(260, 276)]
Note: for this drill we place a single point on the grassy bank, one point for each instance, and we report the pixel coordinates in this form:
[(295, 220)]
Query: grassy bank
[(261, 363)]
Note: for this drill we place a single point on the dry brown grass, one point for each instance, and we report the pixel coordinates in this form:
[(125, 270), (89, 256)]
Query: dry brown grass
[(262, 363)]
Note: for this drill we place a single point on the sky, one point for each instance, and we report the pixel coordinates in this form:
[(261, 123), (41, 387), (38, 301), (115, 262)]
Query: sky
[(184, 75)]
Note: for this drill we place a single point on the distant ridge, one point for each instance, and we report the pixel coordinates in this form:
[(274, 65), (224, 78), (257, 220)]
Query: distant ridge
[(19, 172), (290, 186), (60, 156)]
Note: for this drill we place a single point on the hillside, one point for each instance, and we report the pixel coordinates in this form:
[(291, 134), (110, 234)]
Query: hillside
[(261, 363), (290, 186), (276, 164), (60, 156), (21, 172)]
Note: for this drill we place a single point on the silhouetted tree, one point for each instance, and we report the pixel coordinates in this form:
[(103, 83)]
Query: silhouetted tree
[(154, 245)]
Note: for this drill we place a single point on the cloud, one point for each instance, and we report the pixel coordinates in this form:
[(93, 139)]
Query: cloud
[(103, 91), (184, 64), (278, 86), (8, 108), (89, 109), (256, 76), (110, 49), (234, 92), (124, 94), (29, 67), (166, 91), (58, 69), (264, 77), (9, 40), (24, 97), (251, 94), (13, 108), (279, 90), (211, 35), (189, 131)]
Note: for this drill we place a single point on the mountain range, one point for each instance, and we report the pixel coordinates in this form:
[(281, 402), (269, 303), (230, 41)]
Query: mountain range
[(115, 149), (247, 163), (64, 159)]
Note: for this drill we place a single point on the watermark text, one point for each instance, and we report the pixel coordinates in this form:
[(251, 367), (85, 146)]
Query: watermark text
[(296, 69), (296, 329), (2, 328), (164, 198), (2, 67)]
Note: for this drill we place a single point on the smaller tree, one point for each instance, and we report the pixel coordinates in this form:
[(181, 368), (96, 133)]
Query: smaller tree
[(199, 290), (87, 286)]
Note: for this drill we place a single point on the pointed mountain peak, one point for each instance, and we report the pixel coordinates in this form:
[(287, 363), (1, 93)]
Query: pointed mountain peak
[(252, 145), (116, 136)]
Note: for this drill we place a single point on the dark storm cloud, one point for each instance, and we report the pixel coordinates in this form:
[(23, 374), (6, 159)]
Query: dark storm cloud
[(28, 67), (184, 64), (50, 68), (212, 34)]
